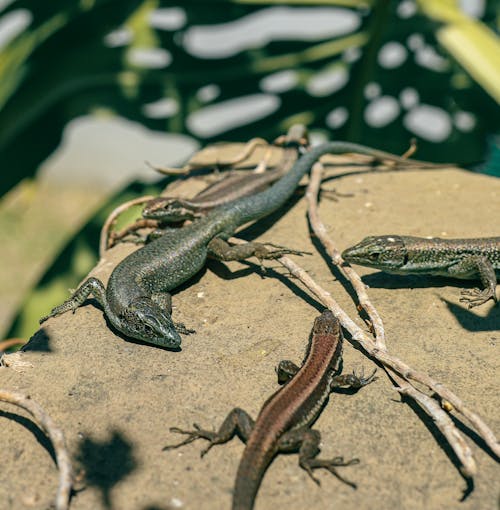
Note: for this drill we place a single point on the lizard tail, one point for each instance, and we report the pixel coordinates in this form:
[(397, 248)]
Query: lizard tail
[(249, 477)]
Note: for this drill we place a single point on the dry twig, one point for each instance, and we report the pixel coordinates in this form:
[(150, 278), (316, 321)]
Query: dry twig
[(440, 417), (6, 344), (375, 347), (55, 434), (111, 219), (250, 147)]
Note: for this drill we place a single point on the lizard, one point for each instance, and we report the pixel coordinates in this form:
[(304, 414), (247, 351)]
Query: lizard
[(234, 186), (477, 258), (163, 211), (285, 420), (136, 300)]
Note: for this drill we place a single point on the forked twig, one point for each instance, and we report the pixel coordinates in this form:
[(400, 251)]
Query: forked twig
[(55, 434), (431, 407), (402, 373)]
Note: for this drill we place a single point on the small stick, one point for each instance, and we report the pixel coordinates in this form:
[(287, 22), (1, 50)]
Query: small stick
[(11, 342), (111, 220), (55, 434), (264, 162), (368, 344), (250, 147), (169, 170), (411, 149)]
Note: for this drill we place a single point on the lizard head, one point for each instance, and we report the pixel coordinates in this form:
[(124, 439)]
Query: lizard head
[(167, 209), (146, 321), (387, 253)]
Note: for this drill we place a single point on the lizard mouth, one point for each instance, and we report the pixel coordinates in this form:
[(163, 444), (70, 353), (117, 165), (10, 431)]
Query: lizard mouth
[(151, 324), (159, 330)]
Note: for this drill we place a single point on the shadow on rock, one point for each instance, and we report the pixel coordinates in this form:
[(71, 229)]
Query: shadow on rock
[(470, 321), (28, 424), (106, 463), (39, 342)]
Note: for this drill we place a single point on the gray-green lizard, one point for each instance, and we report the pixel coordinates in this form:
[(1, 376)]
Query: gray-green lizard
[(457, 258), (136, 300)]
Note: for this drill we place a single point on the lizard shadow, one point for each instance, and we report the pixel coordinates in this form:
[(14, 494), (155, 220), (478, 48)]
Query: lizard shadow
[(224, 272), (39, 342), (396, 281), (473, 322), (466, 318)]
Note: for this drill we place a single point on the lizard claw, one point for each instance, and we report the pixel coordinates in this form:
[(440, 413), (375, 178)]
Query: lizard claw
[(197, 433), (283, 250), (181, 328), (330, 465), (476, 297)]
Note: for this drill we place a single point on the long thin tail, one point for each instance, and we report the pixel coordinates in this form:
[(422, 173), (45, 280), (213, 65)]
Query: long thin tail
[(249, 477), (264, 203)]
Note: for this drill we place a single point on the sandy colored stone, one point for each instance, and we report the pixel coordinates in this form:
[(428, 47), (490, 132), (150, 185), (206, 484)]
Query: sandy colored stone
[(116, 399)]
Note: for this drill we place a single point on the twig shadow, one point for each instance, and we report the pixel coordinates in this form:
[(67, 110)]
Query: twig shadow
[(28, 424), (442, 442)]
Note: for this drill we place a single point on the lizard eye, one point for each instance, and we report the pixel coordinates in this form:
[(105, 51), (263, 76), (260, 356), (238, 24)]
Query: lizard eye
[(374, 256)]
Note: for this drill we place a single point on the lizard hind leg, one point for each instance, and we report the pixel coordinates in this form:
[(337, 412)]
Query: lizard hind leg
[(307, 442), (89, 286), (238, 422), (221, 250)]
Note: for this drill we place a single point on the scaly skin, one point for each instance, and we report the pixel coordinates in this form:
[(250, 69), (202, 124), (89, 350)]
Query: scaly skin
[(238, 184), (283, 424), (136, 300), (457, 258)]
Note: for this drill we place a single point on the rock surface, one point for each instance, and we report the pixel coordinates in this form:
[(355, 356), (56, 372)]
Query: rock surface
[(116, 399)]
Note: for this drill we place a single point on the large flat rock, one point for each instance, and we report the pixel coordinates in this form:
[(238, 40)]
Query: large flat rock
[(116, 399)]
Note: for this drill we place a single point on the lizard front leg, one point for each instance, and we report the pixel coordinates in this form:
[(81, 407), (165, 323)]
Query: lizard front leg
[(352, 380), (285, 370), (90, 286), (164, 301), (484, 268), (238, 422)]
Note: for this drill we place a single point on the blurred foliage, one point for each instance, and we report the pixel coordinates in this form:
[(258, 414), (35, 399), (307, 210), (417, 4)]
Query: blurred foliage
[(74, 57)]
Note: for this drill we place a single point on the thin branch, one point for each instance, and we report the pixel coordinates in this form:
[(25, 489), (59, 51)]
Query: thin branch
[(6, 344), (368, 344), (111, 220), (55, 434), (321, 233), (245, 153), (379, 352)]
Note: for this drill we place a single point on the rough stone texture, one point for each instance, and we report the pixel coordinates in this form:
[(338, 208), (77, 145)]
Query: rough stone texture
[(116, 399)]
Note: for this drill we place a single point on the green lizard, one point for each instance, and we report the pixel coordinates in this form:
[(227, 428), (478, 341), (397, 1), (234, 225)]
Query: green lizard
[(457, 258), (136, 300)]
